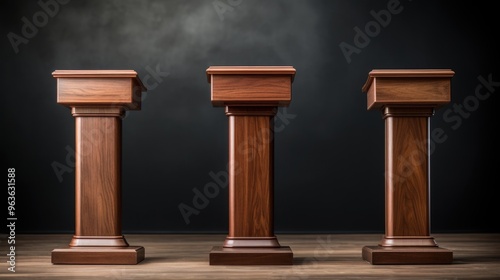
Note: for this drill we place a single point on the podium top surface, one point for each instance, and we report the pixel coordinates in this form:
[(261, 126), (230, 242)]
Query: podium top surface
[(94, 73), (406, 73), (250, 70)]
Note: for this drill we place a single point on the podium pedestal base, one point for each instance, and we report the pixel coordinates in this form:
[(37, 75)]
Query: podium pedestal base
[(98, 255), (251, 256), (407, 255)]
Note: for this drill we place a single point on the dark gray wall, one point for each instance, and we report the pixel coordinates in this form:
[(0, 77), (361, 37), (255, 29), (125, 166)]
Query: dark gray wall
[(329, 169)]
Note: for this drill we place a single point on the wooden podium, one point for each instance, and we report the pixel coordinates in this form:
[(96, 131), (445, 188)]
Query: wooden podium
[(407, 99), (251, 95), (98, 100)]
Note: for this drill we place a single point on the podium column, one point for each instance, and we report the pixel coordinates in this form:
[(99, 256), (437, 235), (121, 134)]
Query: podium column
[(407, 99), (98, 100), (251, 96)]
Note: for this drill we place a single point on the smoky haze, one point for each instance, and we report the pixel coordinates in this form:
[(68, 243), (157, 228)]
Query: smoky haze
[(329, 150)]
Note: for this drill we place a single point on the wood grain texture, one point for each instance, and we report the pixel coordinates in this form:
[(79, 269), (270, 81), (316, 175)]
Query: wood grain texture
[(251, 95), (408, 99), (251, 256), (316, 256), (98, 100), (98, 176), (407, 176), (98, 238), (251, 175), (251, 239), (100, 255), (408, 87), (99, 87), (251, 85), (407, 189), (425, 91), (407, 255), (248, 89)]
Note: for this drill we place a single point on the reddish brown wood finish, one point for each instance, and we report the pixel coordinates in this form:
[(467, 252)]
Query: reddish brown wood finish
[(427, 87), (98, 100), (97, 176), (99, 87), (251, 95), (251, 200), (407, 255), (407, 181), (98, 255), (407, 99), (251, 85), (252, 256)]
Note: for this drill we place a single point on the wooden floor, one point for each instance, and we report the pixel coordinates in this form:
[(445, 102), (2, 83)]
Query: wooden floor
[(476, 256)]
